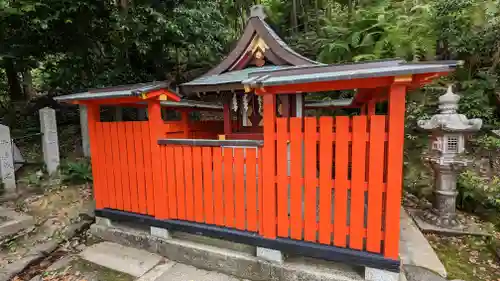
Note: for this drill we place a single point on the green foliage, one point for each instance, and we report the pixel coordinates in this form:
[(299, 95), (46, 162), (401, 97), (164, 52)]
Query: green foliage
[(77, 172), (490, 143), (476, 192)]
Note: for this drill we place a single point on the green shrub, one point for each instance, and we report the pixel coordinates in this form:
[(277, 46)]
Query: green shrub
[(475, 192), (77, 172)]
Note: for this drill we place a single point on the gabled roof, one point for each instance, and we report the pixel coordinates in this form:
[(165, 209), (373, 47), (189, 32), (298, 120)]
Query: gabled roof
[(328, 73), (258, 41)]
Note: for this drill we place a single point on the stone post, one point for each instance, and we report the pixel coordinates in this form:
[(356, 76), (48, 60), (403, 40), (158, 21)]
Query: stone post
[(50, 142), (6, 160), (84, 127)]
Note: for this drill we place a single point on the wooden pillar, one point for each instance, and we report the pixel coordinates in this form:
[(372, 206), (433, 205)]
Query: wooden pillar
[(185, 123), (155, 133), (93, 116), (371, 107), (228, 121), (269, 175), (394, 171)]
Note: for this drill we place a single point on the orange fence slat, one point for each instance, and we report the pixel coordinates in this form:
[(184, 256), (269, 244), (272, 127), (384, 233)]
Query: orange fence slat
[(239, 187), (375, 183), (179, 179), (218, 189), (296, 175), (357, 182), (208, 185), (117, 172), (122, 144), (148, 175), (282, 176), (251, 188), (188, 182), (163, 177), (228, 187), (198, 184), (171, 182), (102, 160), (325, 179), (97, 159), (310, 179), (260, 187), (394, 169), (95, 145), (269, 169), (108, 161), (341, 173), (139, 164), (132, 168)]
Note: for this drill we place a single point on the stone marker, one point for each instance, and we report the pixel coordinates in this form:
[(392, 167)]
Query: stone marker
[(84, 127), (50, 142), (6, 160), (120, 258)]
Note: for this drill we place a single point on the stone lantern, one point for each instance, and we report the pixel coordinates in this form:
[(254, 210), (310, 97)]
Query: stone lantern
[(448, 131)]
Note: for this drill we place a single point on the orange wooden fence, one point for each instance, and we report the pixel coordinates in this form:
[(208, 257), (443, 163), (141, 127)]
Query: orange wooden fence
[(213, 185), (330, 181), (122, 161), (122, 166)]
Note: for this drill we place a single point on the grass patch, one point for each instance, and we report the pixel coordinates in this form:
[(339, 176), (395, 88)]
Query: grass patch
[(467, 257)]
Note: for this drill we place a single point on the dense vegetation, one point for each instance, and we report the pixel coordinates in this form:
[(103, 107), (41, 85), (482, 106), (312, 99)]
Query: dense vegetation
[(62, 46)]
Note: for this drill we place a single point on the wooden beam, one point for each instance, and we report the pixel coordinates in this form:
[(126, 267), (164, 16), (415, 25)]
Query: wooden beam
[(327, 86)]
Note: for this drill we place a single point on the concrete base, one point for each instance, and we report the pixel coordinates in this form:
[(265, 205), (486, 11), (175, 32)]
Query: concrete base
[(160, 232), (239, 264), (414, 248), (374, 274), (467, 228), (270, 255), (12, 222), (103, 221)]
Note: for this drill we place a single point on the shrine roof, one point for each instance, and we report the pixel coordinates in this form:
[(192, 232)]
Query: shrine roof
[(231, 77), (346, 72), (121, 91), (258, 46)]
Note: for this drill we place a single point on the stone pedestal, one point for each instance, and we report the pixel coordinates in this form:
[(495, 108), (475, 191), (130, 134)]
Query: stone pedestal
[(50, 142), (6, 161)]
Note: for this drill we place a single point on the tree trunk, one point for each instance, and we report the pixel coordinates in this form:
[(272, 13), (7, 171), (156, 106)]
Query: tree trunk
[(28, 84), (294, 16), (15, 91)]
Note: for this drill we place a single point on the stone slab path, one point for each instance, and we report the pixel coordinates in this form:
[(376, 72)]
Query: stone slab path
[(132, 261), (146, 266)]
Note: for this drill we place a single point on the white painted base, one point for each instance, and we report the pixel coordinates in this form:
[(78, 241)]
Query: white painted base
[(270, 254), (103, 221), (374, 274), (160, 232)]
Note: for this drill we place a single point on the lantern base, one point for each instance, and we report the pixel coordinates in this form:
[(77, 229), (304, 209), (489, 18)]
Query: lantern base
[(424, 221)]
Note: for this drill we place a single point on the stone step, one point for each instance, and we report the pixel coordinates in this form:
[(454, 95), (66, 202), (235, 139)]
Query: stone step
[(129, 260)]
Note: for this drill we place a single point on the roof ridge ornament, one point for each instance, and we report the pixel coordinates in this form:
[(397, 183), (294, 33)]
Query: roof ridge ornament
[(258, 11)]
